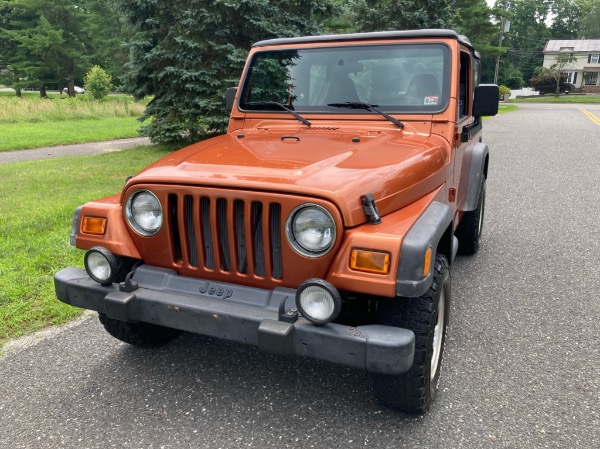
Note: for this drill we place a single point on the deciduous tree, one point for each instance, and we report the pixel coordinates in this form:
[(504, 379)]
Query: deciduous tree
[(589, 24)]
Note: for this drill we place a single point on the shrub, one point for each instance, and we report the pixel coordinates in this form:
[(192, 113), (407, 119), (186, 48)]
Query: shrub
[(544, 81), (97, 82), (503, 90)]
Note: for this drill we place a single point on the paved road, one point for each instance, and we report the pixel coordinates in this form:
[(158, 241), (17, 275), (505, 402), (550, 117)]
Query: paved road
[(522, 365)]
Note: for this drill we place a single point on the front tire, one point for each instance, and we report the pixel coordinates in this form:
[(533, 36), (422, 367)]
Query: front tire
[(427, 316), (144, 335), (470, 227)]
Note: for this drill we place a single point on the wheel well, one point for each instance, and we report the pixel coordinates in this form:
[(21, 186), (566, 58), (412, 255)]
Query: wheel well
[(485, 166), (445, 244)]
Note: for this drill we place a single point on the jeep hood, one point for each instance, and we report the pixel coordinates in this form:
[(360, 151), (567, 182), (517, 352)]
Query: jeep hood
[(396, 167)]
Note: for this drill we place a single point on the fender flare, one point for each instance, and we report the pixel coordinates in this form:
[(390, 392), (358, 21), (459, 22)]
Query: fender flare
[(433, 226), (478, 156)]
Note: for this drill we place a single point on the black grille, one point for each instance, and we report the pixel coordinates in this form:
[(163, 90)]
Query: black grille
[(233, 235)]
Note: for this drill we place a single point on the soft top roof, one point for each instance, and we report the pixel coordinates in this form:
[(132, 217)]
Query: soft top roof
[(433, 33)]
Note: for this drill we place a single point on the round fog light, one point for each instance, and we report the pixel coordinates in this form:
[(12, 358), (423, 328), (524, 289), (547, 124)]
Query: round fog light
[(100, 264), (318, 301)]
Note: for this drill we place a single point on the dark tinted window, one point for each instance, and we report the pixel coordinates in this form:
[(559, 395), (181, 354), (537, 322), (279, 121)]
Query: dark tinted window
[(399, 77)]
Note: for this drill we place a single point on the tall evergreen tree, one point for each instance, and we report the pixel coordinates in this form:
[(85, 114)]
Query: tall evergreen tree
[(8, 48), (186, 52), (473, 19), (48, 41), (381, 15), (107, 35), (55, 43)]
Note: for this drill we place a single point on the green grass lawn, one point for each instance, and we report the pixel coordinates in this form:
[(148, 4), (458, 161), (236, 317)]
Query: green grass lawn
[(16, 136), (577, 99), (34, 122), (504, 108), (36, 207)]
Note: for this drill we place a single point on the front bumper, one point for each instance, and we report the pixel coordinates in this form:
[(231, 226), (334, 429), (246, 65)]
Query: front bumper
[(238, 313)]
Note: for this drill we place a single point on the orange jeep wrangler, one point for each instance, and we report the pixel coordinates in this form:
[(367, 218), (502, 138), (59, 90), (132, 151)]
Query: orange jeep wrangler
[(323, 224)]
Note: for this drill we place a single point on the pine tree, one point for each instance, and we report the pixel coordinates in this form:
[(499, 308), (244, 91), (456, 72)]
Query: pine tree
[(48, 44), (381, 15), (55, 43), (186, 53)]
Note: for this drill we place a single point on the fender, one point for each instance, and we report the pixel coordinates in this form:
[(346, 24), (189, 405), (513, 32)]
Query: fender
[(476, 158), (433, 229), (116, 238)]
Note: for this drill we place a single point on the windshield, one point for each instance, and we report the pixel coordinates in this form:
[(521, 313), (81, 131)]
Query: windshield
[(409, 78)]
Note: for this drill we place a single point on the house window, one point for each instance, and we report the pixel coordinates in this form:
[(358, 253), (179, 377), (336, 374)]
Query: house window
[(571, 77), (590, 78), (594, 58)]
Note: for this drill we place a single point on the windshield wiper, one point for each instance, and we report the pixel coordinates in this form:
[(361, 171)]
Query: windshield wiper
[(368, 107), (282, 106)]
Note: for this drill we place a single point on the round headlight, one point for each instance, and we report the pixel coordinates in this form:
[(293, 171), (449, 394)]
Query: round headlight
[(311, 230), (144, 212), (100, 264), (318, 301)]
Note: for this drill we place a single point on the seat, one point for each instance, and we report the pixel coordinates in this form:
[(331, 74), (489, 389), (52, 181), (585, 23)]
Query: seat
[(386, 84), (421, 86), (341, 90)]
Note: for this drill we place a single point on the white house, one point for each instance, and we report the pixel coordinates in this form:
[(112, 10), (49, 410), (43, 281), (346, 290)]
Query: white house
[(584, 70)]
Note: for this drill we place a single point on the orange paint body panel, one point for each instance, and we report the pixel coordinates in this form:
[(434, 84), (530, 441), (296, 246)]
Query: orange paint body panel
[(323, 224), (116, 238), (223, 198)]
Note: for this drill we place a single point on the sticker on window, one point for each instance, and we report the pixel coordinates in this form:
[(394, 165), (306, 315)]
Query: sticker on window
[(431, 100)]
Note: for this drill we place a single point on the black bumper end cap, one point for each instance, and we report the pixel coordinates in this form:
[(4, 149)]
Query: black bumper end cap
[(120, 306), (276, 337)]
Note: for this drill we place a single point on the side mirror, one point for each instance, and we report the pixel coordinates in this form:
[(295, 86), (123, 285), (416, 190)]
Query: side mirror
[(230, 97), (486, 100)]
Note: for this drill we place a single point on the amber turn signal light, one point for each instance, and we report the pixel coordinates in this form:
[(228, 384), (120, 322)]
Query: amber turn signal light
[(370, 261), (427, 262), (93, 225)]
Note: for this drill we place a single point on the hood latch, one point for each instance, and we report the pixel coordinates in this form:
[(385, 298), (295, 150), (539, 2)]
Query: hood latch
[(370, 208)]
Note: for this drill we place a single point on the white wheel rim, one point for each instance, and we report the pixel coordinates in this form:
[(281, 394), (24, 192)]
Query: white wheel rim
[(438, 335)]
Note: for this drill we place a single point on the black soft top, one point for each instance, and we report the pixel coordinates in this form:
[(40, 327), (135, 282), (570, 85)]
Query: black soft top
[(367, 36)]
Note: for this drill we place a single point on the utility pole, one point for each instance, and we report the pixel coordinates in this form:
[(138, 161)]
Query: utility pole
[(503, 24)]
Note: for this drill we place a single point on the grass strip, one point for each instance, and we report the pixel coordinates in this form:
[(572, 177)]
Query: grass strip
[(569, 99), (37, 200), (17, 136), (34, 110), (504, 108)]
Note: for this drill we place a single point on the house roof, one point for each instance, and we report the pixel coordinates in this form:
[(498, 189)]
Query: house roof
[(575, 45)]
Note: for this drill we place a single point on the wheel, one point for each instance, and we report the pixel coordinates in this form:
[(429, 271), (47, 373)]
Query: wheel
[(470, 227), (144, 335), (427, 316)]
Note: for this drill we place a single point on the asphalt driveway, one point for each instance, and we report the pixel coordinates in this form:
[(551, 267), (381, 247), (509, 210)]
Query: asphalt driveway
[(522, 367)]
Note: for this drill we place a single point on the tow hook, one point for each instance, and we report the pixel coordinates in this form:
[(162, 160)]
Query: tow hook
[(128, 286)]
